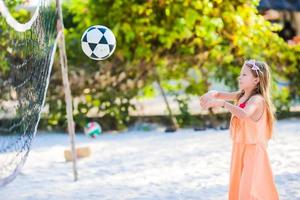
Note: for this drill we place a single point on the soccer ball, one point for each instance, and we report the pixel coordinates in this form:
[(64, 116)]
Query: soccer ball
[(98, 42), (92, 129)]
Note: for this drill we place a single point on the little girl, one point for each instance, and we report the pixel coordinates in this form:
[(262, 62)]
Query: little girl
[(251, 127)]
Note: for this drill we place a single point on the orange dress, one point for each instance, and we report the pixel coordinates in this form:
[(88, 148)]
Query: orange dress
[(251, 175)]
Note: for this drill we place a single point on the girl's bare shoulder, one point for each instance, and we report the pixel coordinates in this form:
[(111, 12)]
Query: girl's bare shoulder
[(257, 99)]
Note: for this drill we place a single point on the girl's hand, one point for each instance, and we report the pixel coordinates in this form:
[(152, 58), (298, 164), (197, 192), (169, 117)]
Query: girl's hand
[(209, 102), (207, 96), (212, 93)]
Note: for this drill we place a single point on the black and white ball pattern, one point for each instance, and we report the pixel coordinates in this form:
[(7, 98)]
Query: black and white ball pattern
[(98, 42)]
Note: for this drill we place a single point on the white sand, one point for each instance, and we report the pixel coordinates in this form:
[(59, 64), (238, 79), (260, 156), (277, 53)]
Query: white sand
[(149, 165)]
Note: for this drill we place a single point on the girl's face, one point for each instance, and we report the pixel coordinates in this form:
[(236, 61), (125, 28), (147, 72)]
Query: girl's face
[(247, 81)]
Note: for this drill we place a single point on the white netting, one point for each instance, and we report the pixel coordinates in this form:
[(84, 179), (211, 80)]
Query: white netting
[(29, 53)]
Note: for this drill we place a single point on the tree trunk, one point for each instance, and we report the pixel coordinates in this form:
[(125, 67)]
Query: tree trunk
[(171, 116)]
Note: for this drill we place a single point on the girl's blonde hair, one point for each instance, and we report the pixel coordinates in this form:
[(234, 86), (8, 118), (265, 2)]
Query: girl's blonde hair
[(263, 88)]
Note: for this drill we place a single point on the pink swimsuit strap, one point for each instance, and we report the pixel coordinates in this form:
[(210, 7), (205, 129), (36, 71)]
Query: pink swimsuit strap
[(242, 105)]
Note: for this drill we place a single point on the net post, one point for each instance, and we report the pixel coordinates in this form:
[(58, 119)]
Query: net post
[(67, 90)]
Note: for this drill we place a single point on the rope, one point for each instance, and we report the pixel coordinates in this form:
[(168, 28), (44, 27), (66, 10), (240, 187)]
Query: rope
[(12, 22)]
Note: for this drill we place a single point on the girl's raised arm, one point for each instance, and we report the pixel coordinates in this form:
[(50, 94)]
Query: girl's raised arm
[(226, 95)]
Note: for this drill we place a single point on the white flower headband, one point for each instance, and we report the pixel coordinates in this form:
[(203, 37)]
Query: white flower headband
[(254, 66)]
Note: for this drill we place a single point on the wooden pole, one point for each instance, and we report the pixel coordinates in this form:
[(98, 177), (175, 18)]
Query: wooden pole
[(67, 90)]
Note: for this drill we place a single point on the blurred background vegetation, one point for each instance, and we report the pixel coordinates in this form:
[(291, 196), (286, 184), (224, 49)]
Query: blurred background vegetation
[(184, 46)]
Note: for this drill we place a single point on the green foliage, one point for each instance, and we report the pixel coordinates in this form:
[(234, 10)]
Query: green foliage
[(5, 31), (282, 100), (184, 118), (187, 42)]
